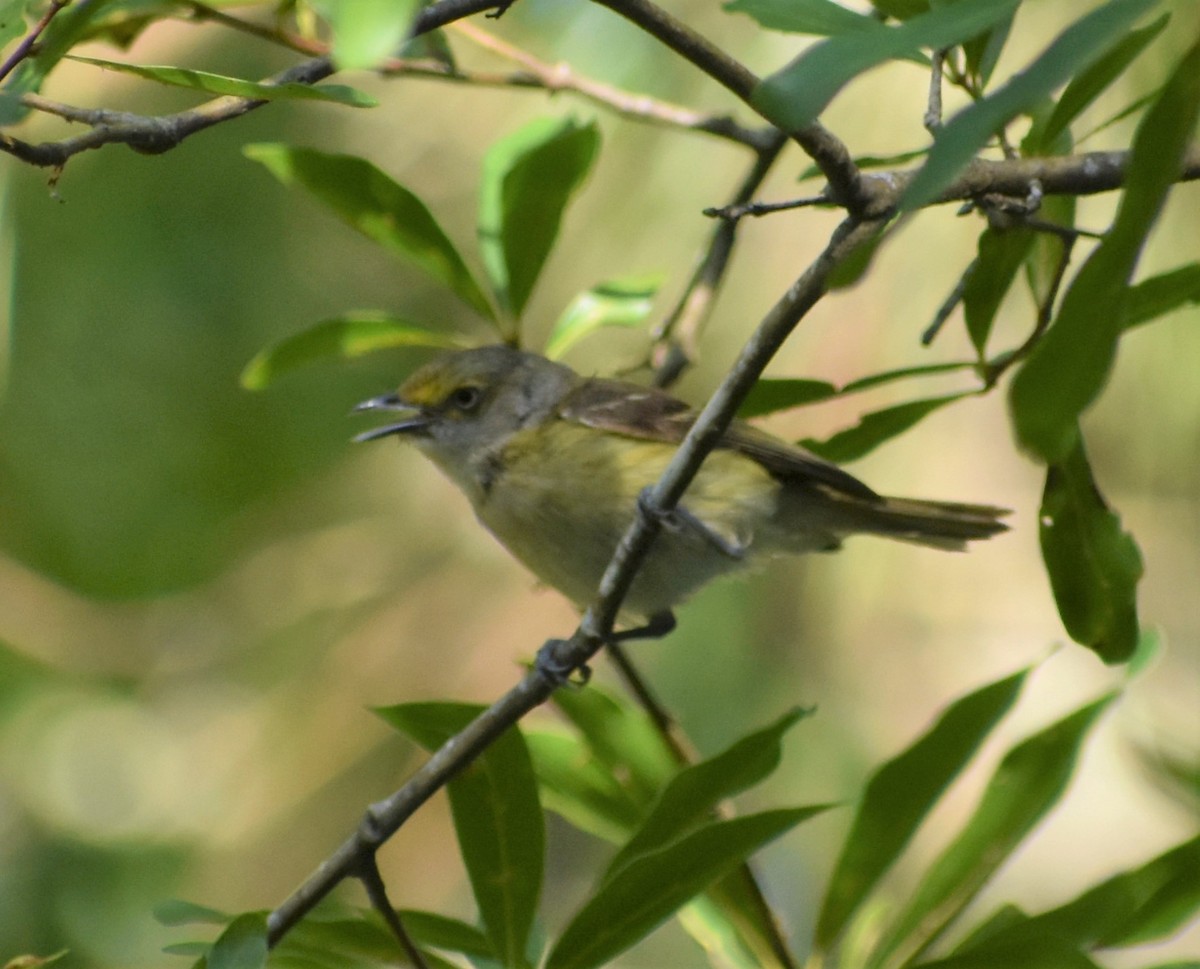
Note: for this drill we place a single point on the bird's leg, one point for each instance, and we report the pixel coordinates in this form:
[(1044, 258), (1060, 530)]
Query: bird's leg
[(680, 518), (554, 671)]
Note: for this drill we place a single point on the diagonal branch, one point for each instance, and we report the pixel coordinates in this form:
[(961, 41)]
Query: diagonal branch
[(386, 817)]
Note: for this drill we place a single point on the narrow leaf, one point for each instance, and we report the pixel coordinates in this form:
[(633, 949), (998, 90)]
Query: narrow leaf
[(1046, 953), (1070, 365), (236, 86), (497, 818), (442, 932), (905, 373), (366, 32), (794, 96), (1001, 255), (243, 945), (1160, 295), (1029, 781), (371, 202), (901, 794), (528, 179), (12, 20), (696, 790), (178, 912), (1088, 85), (643, 894), (624, 302), (1094, 565), (345, 337), (820, 17), (968, 131), (771, 395), (877, 427)]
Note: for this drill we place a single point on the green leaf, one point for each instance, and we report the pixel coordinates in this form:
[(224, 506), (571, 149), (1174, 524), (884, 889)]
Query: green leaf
[(1029, 781), (821, 17), (967, 132), (1159, 295), (1134, 907), (528, 179), (371, 202), (901, 794), (877, 427), (1070, 365), (220, 84), (12, 20), (622, 738), (243, 945), (1045, 953), (1088, 85), (695, 791), (983, 52), (1001, 255), (904, 373), (643, 894), (794, 96), (771, 395), (344, 337), (178, 912), (626, 302), (901, 9), (442, 932), (577, 786), (366, 32), (497, 817), (1094, 566)]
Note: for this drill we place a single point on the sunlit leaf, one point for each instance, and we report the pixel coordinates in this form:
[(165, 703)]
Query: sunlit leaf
[(1071, 363), (345, 337), (497, 817), (623, 302), (528, 179), (794, 96), (366, 32), (1093, 564), (243, 944), (643, 894), (381, 209), (878, 427), (820, 17), (961, 138), (220, 84), (901, 794), (1029, 781), (695, 791)]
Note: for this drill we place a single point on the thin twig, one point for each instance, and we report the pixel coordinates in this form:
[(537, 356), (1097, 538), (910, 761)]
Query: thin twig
[(756, 210), (372, 881), (301, 45), (933, 110), (21, 51)]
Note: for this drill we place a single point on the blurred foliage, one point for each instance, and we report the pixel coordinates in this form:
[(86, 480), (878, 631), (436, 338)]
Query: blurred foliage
[(199, 593)]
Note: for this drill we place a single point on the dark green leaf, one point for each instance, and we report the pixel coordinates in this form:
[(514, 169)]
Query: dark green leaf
[(243, 945), (622, 738), (1094, 565), (1159, 295), (821, 17), (695, 791), (366, 32), (178, 912), (343, 338), (1029, 781), (626, 302), (1001, 255), (850, 270), (904, 373), (384, 211), (901, 9), (220, 84), (643, 894), (983, 52), (576, 785), (1088, 85), (1069, 366), (968, 131), (528, 179), (794, 96), (877, 427), (901, 794), (771, 395), (441, 932), (497, 817), (1045, 953)]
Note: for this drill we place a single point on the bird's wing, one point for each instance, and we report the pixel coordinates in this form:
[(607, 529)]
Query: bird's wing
[(652, 415)]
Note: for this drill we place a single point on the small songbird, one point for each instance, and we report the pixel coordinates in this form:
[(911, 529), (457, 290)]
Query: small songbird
[(554, 463)]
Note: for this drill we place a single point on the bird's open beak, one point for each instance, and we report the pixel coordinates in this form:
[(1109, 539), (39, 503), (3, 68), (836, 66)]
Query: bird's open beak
[(414, 419)]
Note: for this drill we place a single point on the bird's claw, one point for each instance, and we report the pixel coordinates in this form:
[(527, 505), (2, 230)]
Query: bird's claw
[(679, 518), (557, 673)]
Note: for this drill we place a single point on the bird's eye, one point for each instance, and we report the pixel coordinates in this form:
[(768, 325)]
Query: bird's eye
[(465, 398)]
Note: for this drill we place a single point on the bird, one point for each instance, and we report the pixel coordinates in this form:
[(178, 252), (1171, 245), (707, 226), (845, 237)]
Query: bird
[(555, 463)]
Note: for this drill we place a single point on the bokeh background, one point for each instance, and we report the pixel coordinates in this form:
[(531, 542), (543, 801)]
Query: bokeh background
[(203, 590)]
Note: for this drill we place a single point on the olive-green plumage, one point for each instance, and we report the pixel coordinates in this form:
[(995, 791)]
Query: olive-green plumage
[(553, 464)]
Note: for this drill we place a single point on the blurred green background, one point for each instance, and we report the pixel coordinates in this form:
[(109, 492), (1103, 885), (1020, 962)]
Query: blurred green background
[(203, 590)]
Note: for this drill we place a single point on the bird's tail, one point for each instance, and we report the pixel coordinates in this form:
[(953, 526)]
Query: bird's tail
[(939, 524)]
